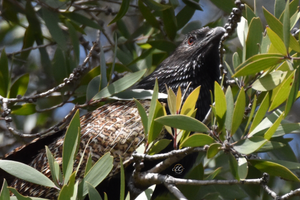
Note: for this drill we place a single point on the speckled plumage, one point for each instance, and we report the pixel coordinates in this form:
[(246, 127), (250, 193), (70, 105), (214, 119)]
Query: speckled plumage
[(114, 128)]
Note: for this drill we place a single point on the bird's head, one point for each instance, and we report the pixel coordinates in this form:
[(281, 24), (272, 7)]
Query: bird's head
[(196, 62)]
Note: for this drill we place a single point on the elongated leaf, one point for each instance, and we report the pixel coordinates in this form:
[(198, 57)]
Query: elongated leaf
[(50, 158), (51, 20), (81, 19), (4, 74), (4, 193), (170, 23), (220, 105), (184, 16), (276, 41), (143, 115), (19, 86), (249, 145), (153, 5), (230, 107), (67, 190), (149, 17), (74, 40), (260, 114), (60, 69), (269, 81), (283, 92), (273, 128), (277, 27), (242, 168), (93, 87), (97, 173), (183, 122), (190, 102), (26, 173), (293, 93), (196, 140), (192, 4), (119, 85), (238, 112), (286, 26), (123, 9), (258, 65), (158, 146), (251, 113), (152, 105), (71, 144), (233, 166), (24, 109), (287, 164), (278, 8), (213, 150), (93, 193), (178, 99), (274, 169), (171, 101), (155, 127), (122, 182), (254, 37), (102, 68)]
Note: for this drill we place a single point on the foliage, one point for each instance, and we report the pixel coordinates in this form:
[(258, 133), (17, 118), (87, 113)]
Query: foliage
[(245, 135)]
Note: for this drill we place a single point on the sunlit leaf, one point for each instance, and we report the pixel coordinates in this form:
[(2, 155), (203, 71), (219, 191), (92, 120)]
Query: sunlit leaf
[(274, 169), (276, 41), (220, 105), (19, 86), (230, 107), (158, 146), (249, 145), (269, 81), (196, 140), (238, 112), (273, 128), (286, 25), (254, 37), (213, 150), (143, 115), (242, 167), (24, 109), (190, 102)]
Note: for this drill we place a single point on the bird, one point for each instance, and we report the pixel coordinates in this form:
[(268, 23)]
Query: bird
[(117, 128)]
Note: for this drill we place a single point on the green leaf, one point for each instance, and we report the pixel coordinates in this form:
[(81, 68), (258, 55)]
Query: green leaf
[(4, 194), (283, 92), (123, 9), (153, 5), (184, 16), (230, 107), (276, 41), (278, 8), (260, 114), (24, 109), (59, 69), (277, 27), (287, 128), (225, 5), (74, 40), (93, 193), (286, 26), (120, 85), (269, 81), (122, 180), (183, 122), (249, 145), (270, 146), (89, 164), (54, 173), (171, 100), (97, 173), (93, 87), (251, 113), (159, 146), (273, 128), (143, 115), (293, 93), (233, 166), (170, 23), (190, 102), (163, 45), (257, 65), (67, 190), (192, 4), (19, 196), (4, 74), (19, 86), (274, 169), (242, 168), (197, 140), (26, 173), (71, 144), (155, 127), (254, 37), (220, 105), (149, 17), (28, 42), (152, 106), (213, 150), (238, 112), (51, 20), (287, 164), (81, 19)]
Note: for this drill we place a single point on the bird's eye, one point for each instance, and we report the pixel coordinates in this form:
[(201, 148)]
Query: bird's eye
[(191, 40)]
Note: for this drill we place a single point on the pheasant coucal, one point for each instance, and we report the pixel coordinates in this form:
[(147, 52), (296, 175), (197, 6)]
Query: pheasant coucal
[(117, 127)]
